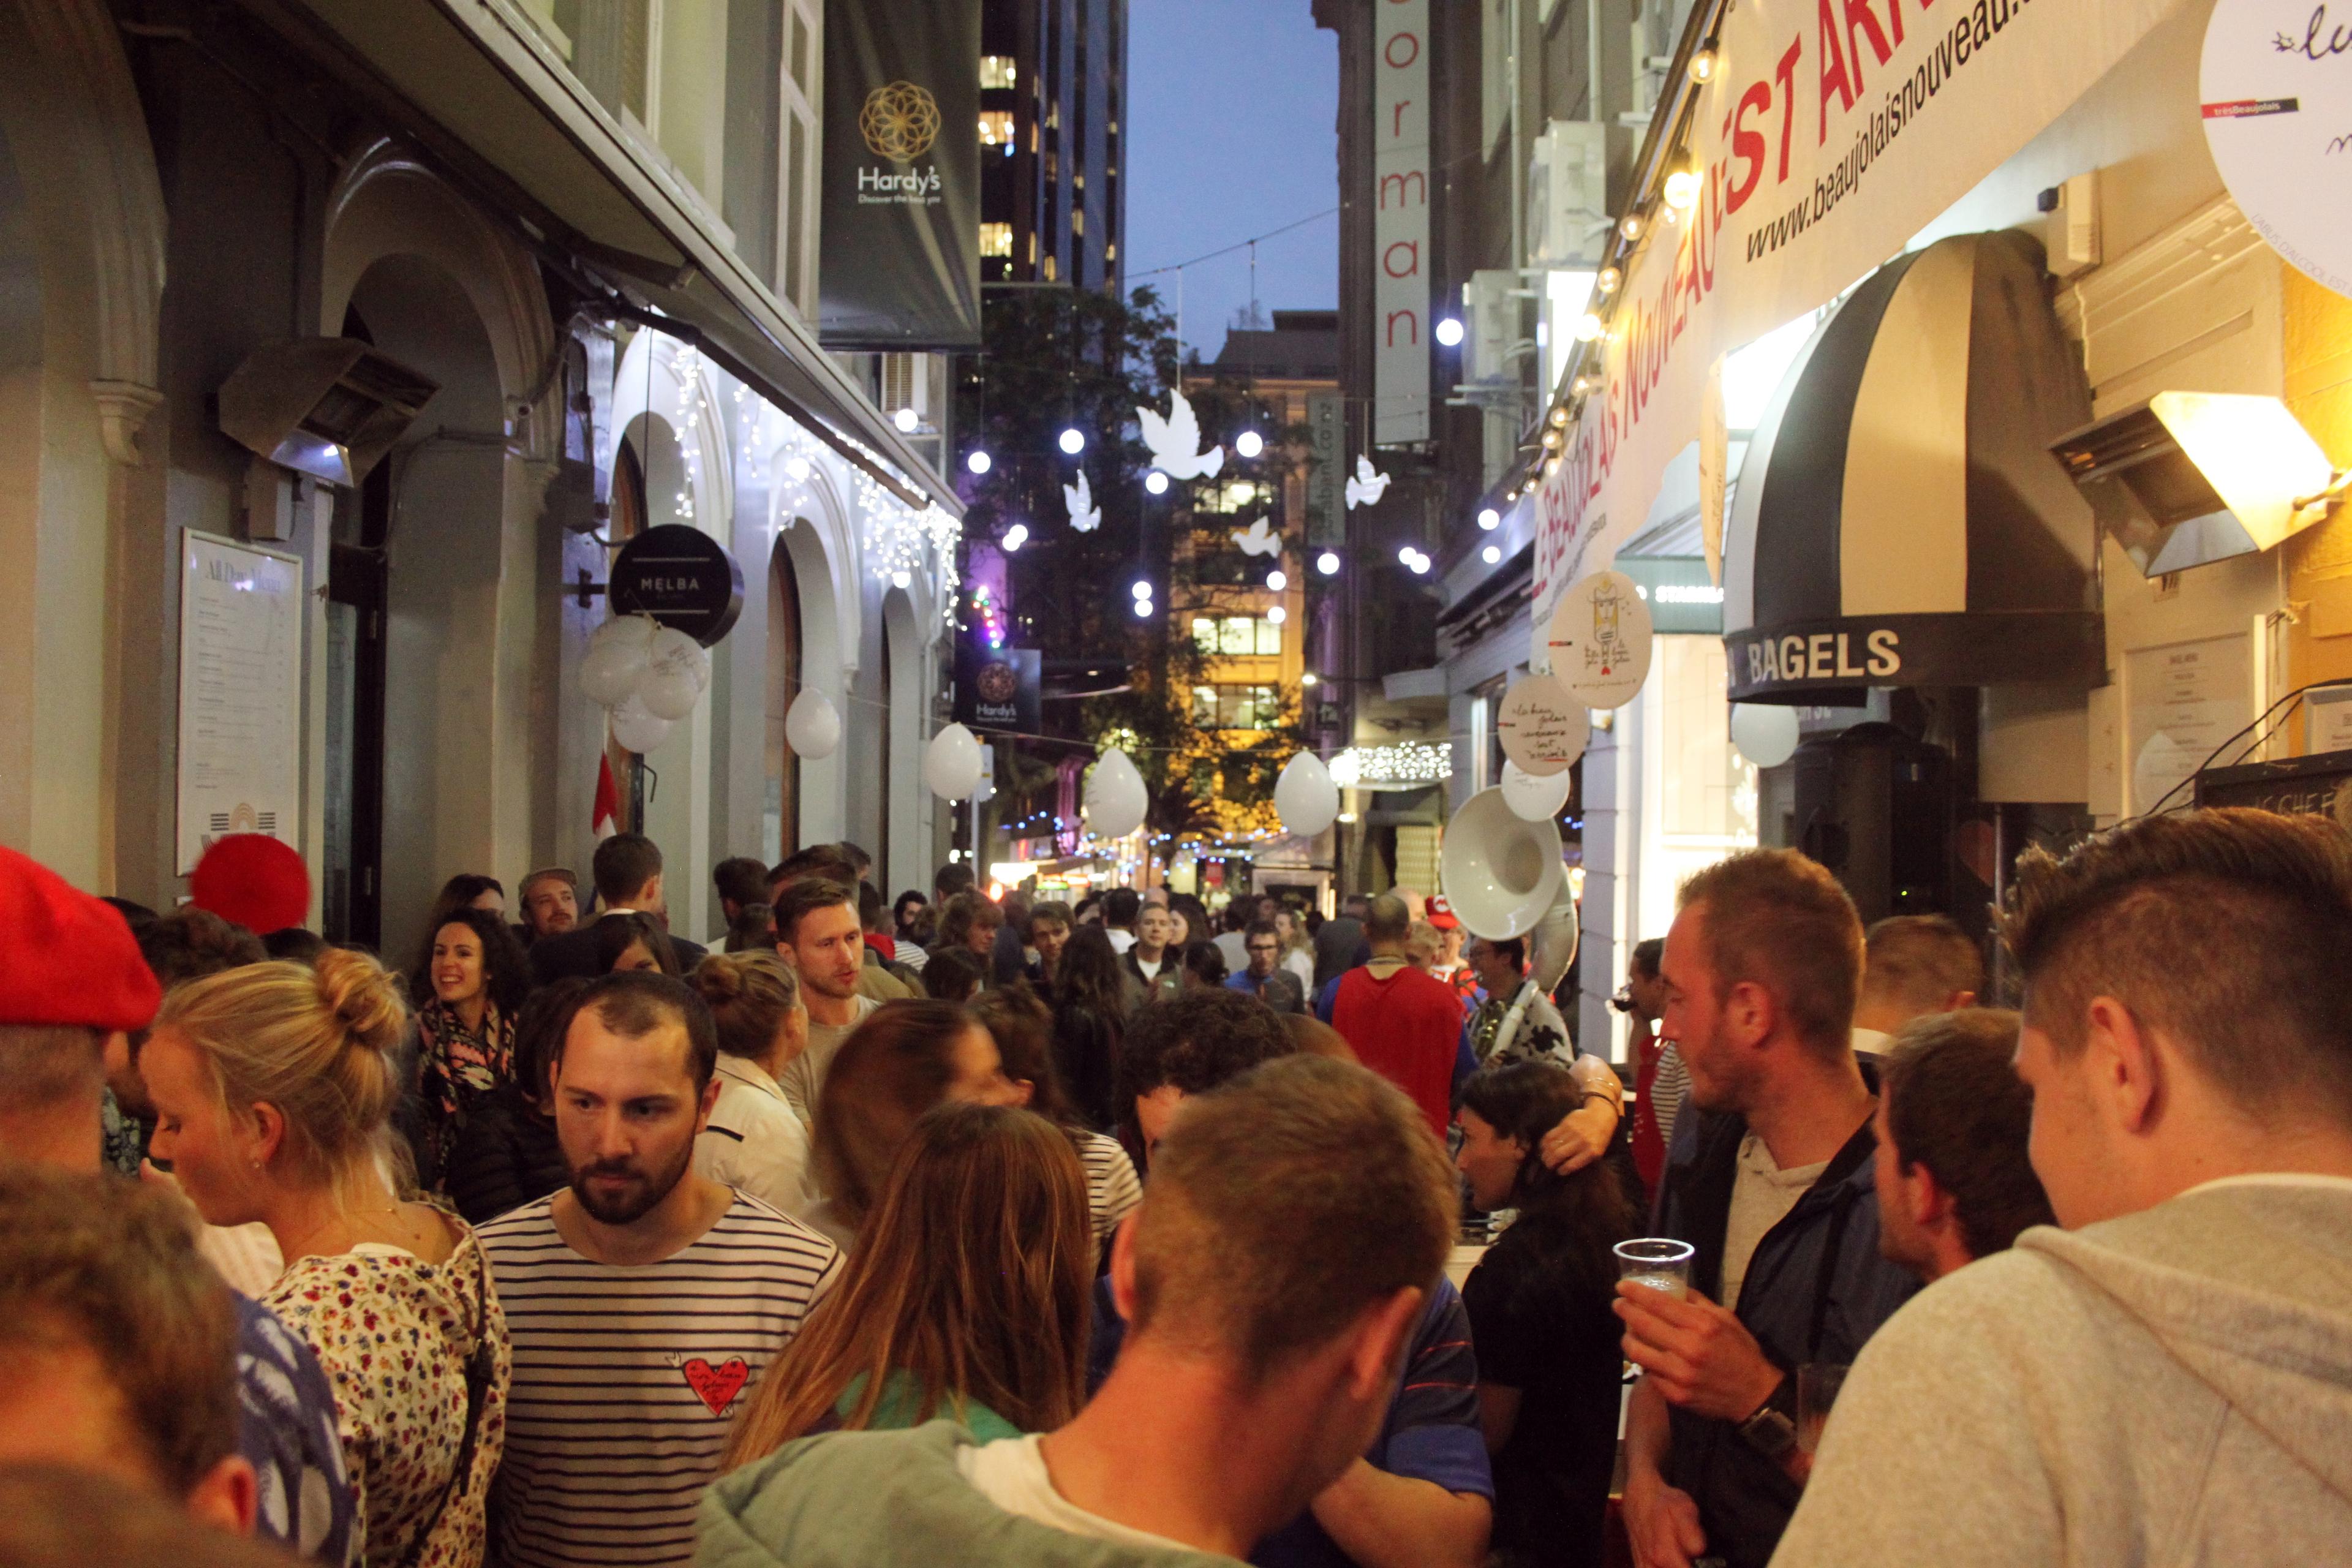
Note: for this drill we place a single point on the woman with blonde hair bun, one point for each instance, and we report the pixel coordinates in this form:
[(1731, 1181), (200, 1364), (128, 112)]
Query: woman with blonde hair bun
[(754, 1142), (272, 1084)]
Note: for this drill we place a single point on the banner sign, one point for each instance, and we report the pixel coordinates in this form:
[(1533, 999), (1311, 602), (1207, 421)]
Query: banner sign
[(1327, 471), (1401, 292), (1798, 663), (899, 245), (1831, 132), (997, 689)]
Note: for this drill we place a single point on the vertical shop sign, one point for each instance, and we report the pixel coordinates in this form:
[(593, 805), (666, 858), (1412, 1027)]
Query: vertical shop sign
[(1326, 470), (899, 250), (1400, 288)]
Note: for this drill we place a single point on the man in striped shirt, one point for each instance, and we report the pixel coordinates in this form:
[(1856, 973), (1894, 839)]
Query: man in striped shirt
[(644, 1302)]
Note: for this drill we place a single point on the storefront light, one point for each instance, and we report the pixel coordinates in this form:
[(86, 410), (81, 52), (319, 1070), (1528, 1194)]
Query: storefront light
[(1702, 66), (1489, 519), (1632, 227), (1449, 331), (1682, 186)]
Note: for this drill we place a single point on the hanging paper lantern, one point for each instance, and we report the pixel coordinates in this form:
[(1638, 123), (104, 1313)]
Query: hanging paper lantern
[(951, 765), (1115, 800)]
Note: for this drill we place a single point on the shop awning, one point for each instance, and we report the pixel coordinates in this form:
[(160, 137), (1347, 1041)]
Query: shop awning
[(493, 101), (1898, 521)]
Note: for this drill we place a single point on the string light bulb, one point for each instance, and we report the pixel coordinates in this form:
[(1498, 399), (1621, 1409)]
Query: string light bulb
[(1559, 415), (1249, 444), (1492, 555), (906, 420), (1449, 331), (1155, 483), (1589, 326), (1580, 385), (1702, 66), (1277, 580), (1489, 519), (1073, 440), (1016, 537), (1327, 563), (1607, 281), (1682, 185), (979, 462), (1632, 227)]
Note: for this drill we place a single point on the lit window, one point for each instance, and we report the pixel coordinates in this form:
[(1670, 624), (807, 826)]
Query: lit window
[(1205, 634), (1078, 220), (1049, 269), (996, 239), (995, 127), (997, 70)]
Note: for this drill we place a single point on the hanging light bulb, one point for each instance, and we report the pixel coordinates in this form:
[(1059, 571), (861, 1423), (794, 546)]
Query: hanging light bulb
[(1073, 440), (1155, 483), (1327, 563), (979, 462), (1142, 588), (900, 579), (1589, 326), (1249, 443), (798, 470), (1632, 226), (906, 420), (1702, 66), (1420, 564), (1559, 415), (1682, 186), (1551, 467), (1309, 679), (1142, 609), (1277, 580), (1406, 553), (1275, 615), (1551, 440), (1489, 519), (1607, 280), (1491, 555), (1449, 331), (1580, 385), (1016, 537)]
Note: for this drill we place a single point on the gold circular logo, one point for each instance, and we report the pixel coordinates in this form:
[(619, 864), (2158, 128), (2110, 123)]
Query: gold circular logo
[(899, 122), (997, 683)]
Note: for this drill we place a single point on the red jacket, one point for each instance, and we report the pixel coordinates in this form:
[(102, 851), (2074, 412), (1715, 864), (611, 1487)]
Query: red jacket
[(1407, 1028)]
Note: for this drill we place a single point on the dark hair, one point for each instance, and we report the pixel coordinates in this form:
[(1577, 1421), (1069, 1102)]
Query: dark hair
[(750, 932), (1919, 962), (1262, 928), (296, 944), (1238, 913), (1121, 906), (505, 967), (1092, 902), (1052, 909), (1194, 1041), (539, 1033), (1022, 1026), (952, 974), (854, 853), (616, 933), (1779, 921), (190, 943), (1189, 909), (456, 898), (1511, 950), (740, 881), (2225, 930), (894, 1067), (1090, 975), (113, 1266), (1574, 1220), (1206, 962), (869, 907), (749, 995), (634, 1003), (1956, 1105), (804, 898), (623, 863), (958, 915), (911, 896), (952, 879), (824, 861), (1388, 919), (1646, 957)]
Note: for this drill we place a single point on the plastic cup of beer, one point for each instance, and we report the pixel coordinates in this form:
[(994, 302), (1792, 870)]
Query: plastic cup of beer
[(1660, 1263)]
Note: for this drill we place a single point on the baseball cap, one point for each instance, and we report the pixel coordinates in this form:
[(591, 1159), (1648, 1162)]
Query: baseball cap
[(1442, 915)]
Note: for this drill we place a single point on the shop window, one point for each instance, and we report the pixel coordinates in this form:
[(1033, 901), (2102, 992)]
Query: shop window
[(996, 239), (998, 70)]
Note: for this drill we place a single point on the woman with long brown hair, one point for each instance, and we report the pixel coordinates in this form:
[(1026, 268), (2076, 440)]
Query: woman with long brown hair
[(967, 1298), (1091, 998)]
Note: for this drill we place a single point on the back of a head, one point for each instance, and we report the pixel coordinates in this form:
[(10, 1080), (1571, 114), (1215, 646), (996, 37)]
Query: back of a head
[(1121, 906), (1919, 963), (1206, 962), (860, 863), (1387, 918), (52, 1516), (1196, 1041), (2224, 930), (895, 1065), (1237, 915), (749, 994), (1646, 957), (1021, 1024), (1282, 1207), (749, 931), (1956, 1105), (1314, 1038), (1421, 942), (1774, 918), (190, 943), (317, 1041), (616, 933), (872, 914), (111, 1267), (953, 975), (1091, 973), (624, 863), (740, 881), (818, 860), (952, 879), (637, 1004), (539, 1029)]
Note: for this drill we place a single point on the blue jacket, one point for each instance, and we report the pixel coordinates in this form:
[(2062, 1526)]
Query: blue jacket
[(1814, 1291)]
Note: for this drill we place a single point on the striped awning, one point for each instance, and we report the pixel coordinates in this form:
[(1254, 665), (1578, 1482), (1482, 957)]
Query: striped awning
[(1898, 521)]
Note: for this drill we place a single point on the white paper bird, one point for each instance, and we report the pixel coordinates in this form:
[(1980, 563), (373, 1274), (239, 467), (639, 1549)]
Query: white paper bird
[(1175, 441), (1085, 516), (1367, 488), (1257, 539)]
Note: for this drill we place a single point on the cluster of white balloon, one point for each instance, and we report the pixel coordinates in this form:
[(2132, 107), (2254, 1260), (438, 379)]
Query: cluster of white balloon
[(649, 676)]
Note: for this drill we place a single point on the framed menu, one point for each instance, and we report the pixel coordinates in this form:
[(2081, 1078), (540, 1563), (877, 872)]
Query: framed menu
[(2184, 700), (240, 692)]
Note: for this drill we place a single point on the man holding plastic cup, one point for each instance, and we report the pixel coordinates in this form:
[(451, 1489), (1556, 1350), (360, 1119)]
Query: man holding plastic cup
[(1774, 1200)]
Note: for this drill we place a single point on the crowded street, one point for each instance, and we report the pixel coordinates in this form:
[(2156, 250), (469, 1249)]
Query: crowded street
[(1145, 784)]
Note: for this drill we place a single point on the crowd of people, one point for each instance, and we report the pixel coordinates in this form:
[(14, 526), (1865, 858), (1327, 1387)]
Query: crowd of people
[(994, 1230)]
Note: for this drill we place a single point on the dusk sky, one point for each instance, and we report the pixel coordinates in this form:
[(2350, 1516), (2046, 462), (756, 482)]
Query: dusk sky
[(1230, 108)]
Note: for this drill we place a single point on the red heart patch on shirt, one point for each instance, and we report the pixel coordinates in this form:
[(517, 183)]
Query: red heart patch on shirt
[(717, 1386)]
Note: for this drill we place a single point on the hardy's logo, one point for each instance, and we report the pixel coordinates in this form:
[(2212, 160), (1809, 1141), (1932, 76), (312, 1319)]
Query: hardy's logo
[(899, 122)]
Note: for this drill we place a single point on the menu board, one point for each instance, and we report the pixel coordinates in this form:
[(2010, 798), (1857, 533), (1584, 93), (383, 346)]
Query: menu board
[(240, 692), (2187, 698)]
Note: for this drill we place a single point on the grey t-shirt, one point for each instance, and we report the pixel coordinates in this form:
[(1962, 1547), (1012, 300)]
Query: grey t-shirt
[(1761, 1196), (805, 1076)]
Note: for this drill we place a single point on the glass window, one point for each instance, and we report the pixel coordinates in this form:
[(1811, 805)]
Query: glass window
[(997, 70), (1205, 634), (996, 239), (995, 127), (1235, 636), (1205, 706)]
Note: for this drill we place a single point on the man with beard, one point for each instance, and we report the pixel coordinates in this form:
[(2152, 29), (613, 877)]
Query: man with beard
[(644, 1300), (819, 933)]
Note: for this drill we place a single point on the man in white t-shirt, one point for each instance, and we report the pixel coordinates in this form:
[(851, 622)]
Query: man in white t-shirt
[(1262, 1352), (642, 1300), (818, 932)]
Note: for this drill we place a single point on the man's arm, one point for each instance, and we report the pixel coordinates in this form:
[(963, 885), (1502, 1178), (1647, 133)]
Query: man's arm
[(1661, 1520), (1583, 1134), (1382, 1521)]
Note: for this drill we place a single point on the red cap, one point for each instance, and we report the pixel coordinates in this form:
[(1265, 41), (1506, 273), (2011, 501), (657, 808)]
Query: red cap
[(67, 959), (254, 879), (1442, 915)]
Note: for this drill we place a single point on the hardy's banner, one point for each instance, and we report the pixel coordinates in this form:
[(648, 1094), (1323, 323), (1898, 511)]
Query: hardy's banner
[(1830, 132), (899, 252)]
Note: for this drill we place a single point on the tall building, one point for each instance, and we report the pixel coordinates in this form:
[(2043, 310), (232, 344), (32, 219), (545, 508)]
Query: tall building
[(1053, 79)]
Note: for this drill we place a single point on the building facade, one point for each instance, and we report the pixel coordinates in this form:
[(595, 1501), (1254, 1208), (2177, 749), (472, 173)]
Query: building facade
[(1053, 100)]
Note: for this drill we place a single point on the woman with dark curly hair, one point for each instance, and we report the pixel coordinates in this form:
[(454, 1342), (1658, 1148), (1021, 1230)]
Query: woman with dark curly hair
[(465, 1034)]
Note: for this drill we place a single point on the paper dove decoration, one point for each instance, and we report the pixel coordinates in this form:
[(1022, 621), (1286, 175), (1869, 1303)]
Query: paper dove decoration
[(1257, 539), (1175, 441), (1368, 485), (1085, 516)]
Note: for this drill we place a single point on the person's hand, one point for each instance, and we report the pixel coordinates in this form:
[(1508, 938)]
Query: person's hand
[(1582, 1137), (1700, 1356), (1661, 1523)]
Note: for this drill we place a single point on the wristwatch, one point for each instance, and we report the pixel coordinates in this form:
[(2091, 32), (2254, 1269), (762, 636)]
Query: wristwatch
[(1769, 1431)]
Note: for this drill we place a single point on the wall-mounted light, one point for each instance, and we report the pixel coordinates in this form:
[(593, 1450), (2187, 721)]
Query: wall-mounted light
[(1309, 679)]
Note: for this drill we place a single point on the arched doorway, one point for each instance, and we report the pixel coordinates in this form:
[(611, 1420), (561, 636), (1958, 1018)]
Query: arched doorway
[(781, 809)]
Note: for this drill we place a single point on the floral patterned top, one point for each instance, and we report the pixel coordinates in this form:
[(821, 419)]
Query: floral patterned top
[(456, 1063), (418, 1357)]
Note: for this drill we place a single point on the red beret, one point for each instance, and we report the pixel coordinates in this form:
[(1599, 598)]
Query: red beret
[(64, 957), (254, 879)]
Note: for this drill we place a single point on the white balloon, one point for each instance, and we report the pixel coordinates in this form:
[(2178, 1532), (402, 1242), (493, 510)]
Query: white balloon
[(1533, 798), (1116, 800), (1305, 796), (668, 693), (673, 651), (611, 669), (1765, 732), (637, 727), (632, 631), (812, 726), (1600, 639), (951, 765), (1543, 727)]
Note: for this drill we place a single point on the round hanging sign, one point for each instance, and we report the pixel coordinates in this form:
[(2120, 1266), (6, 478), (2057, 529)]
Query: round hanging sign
[(1601, 640), (1543, 727), (680, 576), (2272, 86)]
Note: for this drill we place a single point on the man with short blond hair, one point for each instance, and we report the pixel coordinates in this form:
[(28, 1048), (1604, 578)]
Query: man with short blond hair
[(1913, 965), (551, 903)]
